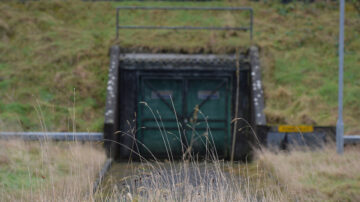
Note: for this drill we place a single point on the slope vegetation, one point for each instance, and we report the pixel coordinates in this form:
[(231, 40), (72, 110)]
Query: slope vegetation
[(53, 64)]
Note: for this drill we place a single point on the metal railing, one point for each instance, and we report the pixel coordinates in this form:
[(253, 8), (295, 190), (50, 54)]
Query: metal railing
[(240, 28), (85, 136), (351, 139), (340, 138), (61, 136)]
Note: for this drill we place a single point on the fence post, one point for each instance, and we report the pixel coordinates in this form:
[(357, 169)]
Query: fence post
[(340, 122)]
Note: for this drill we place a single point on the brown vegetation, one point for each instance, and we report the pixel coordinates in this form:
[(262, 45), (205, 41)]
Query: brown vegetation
[(48, 171), (318, 175)]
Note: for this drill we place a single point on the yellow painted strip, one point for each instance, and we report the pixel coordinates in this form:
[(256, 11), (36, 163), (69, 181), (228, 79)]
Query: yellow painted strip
[(295, 129)]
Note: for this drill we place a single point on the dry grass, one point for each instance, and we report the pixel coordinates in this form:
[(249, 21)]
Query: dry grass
[(319, 175), (48, 171), (189, 181), (65, 171)]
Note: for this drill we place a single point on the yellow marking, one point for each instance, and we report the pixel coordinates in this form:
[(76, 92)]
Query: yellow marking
[(295, 129)]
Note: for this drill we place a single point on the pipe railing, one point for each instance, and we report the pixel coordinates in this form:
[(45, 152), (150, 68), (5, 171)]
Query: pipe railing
[(60, 136), (238, 28)]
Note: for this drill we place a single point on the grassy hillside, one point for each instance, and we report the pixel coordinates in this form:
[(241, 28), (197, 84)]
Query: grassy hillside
[(53, 64)]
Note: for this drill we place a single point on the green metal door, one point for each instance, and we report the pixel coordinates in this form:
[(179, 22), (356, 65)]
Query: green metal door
[(207, 115), (175, 114)]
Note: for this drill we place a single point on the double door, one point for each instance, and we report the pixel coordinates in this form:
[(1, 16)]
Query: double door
[(183, 113)]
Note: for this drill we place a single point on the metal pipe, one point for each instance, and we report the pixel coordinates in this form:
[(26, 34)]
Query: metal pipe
[(182, 27), (181, 8), (117, 23), (351, 139), (340, 122), (251, 23), (62, 136)]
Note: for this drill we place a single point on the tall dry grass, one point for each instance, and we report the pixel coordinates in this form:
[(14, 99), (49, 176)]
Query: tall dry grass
[(66, 171), (316, 175), (190, 181), (48, 171)]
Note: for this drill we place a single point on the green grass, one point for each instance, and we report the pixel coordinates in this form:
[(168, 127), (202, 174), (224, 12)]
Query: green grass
[(53, 50)]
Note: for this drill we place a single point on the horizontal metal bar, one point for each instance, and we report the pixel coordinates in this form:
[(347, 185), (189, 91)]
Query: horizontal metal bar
[(182, 27), (175, 120), (184, 8), (349, 139), (176, 128), (62, 136), (184, 75), (118, 27)]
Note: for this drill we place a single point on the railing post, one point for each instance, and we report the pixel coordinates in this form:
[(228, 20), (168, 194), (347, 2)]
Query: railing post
[(251, 24), (117, 23), (340, 122)]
